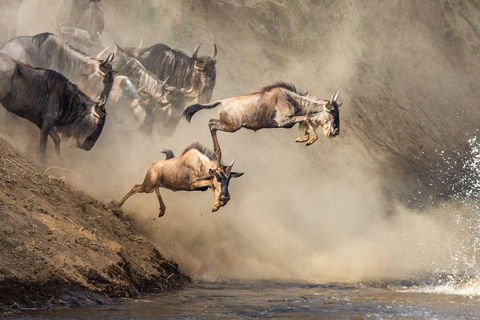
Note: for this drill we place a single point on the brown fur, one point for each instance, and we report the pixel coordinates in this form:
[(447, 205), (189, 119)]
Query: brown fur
[(275, 106), (196, 169)]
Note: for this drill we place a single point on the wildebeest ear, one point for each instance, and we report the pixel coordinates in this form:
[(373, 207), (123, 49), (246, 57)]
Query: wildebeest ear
[(339, 105), (237, 174)]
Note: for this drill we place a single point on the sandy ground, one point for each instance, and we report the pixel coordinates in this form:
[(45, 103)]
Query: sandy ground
[(61, 246)]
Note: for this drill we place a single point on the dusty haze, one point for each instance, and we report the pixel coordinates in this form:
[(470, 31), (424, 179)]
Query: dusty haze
[(375, 203)]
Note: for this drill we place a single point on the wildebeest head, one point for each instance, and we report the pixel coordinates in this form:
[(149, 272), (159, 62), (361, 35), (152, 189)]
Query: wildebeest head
[(205, 67), (93, 126), (167, 110), (329, 117), (221, 179), (105, 65)]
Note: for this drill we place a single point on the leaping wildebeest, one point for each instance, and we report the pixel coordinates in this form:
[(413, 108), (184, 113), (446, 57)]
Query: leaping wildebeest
[(184, 71), (197, 169), (276, 106), (52, 102)]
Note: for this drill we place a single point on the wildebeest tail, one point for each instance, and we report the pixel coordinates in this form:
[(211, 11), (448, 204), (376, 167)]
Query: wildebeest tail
[(190, 111), (168, 153)]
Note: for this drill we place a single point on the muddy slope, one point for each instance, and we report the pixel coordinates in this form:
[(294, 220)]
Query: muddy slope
[(61, 246)]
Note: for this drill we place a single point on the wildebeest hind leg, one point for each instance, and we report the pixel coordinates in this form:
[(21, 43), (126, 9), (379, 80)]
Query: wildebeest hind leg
[(138, 188), (56, 140), (214, 126), (162, 205)]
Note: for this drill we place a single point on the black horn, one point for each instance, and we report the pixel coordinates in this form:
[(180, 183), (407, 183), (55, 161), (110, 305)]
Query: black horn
[(214, 51)]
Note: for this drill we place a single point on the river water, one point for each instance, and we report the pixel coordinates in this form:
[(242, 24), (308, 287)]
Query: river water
[(250, 300)]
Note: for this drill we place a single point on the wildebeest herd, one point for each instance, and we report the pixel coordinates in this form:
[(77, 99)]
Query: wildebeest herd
[(64, 91)]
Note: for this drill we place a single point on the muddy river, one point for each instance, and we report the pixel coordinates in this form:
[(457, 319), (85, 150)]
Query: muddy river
[(285, 301)]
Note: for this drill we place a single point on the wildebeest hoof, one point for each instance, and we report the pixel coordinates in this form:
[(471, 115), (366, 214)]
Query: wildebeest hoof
[(310, 142), (161, 213), (115, 204), (214, 209), (301, 139)]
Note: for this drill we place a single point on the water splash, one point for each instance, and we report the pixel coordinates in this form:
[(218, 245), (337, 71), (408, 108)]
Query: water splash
[(462, 277)]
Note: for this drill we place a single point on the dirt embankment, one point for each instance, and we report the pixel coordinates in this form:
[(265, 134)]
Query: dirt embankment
[(61, 246)]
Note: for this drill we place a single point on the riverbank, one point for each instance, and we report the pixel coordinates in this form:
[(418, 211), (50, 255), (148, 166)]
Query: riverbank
[(60, 246)]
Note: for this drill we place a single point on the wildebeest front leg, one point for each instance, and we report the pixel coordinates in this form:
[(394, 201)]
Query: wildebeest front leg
[(43, 139), (56, 139), (162, 204), (309, 132), (304, 138), (201, 184)]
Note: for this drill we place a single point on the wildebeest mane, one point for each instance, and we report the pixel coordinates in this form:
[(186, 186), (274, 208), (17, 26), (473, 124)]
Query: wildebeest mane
[(165, 61), (284, 85), (202, 149), (73, 101), (40, 38)]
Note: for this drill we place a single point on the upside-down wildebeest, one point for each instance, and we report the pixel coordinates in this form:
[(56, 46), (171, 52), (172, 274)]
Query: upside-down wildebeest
[(184, 71), (277, 106), (52, 102), (197, 169)]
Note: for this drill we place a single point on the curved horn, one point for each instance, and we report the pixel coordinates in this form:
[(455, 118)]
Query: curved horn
[(141, 43), (107, 59), (100, 55), (95, 113), (187, 92), (139, 90), (214, 51), (94, 43), (170, 88), (194, 54), (336, 96), (231, 164), (331, 99), (164, 85), (103, 102)]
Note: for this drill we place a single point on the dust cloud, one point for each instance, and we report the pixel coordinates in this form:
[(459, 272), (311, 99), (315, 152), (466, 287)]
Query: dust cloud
[(371, 204)]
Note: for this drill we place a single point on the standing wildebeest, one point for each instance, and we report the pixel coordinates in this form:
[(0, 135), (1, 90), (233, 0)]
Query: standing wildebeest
[(81, 22), (128, 103), (48, 51), (167, 103), (275, 106), (197, 169), (53, 103), (184, 71)]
